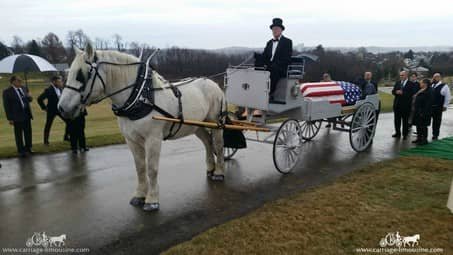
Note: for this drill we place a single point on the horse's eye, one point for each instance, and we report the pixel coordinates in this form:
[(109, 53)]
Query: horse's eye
[(80, 78)]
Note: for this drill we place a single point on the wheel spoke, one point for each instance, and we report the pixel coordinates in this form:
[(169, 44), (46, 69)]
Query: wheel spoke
[(287, 144)]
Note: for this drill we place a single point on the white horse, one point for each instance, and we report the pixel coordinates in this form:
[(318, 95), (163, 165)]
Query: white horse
[(202, 99), (57, 240), (411, 240)]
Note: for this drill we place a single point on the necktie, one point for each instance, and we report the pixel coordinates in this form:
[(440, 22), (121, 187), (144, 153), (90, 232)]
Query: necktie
[(23, 98)]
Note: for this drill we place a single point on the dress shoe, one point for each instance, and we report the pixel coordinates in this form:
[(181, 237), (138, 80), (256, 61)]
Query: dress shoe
[(435, 137), (328, 125), (23, 155), (416, 141), (405, 137), (0, 165), (84, 149), (396, 135), (46, 143), (74, 152)]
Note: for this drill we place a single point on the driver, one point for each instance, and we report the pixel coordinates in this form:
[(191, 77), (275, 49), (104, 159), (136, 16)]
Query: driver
[(277, 54)]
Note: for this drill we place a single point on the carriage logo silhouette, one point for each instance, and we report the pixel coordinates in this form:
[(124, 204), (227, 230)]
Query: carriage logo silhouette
[(394, 239), (41, 239)]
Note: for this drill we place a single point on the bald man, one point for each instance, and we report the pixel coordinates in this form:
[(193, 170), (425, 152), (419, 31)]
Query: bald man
[(403, 90), (441, 100)]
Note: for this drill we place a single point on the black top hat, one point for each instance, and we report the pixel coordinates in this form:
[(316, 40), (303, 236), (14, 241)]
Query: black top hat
[(277, 22)]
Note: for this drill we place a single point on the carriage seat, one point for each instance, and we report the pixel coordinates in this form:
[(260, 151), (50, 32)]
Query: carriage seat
[(296, 68), (295, 71)]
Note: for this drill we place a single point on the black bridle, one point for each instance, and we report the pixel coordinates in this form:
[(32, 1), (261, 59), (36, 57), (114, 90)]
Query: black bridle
[(94, 71)]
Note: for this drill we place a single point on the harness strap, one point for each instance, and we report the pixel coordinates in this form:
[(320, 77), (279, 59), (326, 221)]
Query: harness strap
[(178, 95)]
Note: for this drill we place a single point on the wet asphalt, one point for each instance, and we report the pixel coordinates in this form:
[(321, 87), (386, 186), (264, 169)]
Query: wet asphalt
[(86, 196)]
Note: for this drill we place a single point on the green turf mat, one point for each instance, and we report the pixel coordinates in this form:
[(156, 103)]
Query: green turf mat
[(437, 149)]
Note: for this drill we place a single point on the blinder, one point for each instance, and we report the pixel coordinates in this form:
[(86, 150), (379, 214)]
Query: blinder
[(94, 68)]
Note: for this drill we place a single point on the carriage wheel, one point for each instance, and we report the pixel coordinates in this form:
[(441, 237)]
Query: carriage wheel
[(287, 145), (363, 127), (309, 129)]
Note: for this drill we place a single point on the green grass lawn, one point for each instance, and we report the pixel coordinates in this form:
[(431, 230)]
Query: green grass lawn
[(101, 127), (386, 102), (408, 195)]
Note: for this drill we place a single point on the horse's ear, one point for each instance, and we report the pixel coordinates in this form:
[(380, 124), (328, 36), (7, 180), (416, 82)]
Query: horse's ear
[(89, 51), (77, 50)]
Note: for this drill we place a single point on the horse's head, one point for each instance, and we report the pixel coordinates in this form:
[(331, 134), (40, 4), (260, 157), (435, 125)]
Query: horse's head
[(83, 83)]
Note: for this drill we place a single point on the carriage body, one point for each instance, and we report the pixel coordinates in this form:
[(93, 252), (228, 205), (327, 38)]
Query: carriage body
[(249, 87)]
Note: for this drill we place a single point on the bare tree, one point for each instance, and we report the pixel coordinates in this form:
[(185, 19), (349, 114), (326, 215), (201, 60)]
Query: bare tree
[(75, 39), (4, 51), (118, 41), (80, 38), (17, 45), (135, 48), (53, 48)]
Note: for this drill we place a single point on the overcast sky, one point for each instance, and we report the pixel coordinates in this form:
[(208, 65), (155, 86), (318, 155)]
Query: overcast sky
[(223, 23)]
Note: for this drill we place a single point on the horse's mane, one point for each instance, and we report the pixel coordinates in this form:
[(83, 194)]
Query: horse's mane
[(116, 56), (124, 58)]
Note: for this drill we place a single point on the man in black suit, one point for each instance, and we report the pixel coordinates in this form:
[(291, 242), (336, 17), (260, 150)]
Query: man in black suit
[(16, 101), (414, 79), (52, 95), (403, 91), (441, 100), (277, 53), (77, 133)]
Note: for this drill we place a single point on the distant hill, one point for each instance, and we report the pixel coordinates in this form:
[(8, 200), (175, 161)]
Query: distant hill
[(373, 49), (236, 50), (377, 49)]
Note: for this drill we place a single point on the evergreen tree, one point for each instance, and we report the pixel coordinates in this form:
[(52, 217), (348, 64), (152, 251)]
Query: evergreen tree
[(33, 48), (4, 52)]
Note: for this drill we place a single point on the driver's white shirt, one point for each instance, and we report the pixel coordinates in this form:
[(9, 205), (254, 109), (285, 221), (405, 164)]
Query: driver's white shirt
[(445, 91), (274, 46)]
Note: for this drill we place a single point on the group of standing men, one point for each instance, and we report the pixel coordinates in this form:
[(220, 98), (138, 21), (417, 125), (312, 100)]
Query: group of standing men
[(16, 102), (418, 103)]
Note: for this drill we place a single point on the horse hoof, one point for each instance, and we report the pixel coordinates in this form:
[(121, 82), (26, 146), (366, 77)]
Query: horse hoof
[(149, 207), (137, 201), (217, 177)]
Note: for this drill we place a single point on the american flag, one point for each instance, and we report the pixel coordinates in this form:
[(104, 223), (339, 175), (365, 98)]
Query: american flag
[(336, 92)]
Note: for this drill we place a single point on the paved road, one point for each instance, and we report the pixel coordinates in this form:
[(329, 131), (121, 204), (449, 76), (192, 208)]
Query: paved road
[(86, 196)]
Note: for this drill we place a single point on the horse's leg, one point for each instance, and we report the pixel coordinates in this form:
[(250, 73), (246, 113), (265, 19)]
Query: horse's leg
[(138, 152), (152, 148), (206, 138), (217, 138)]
